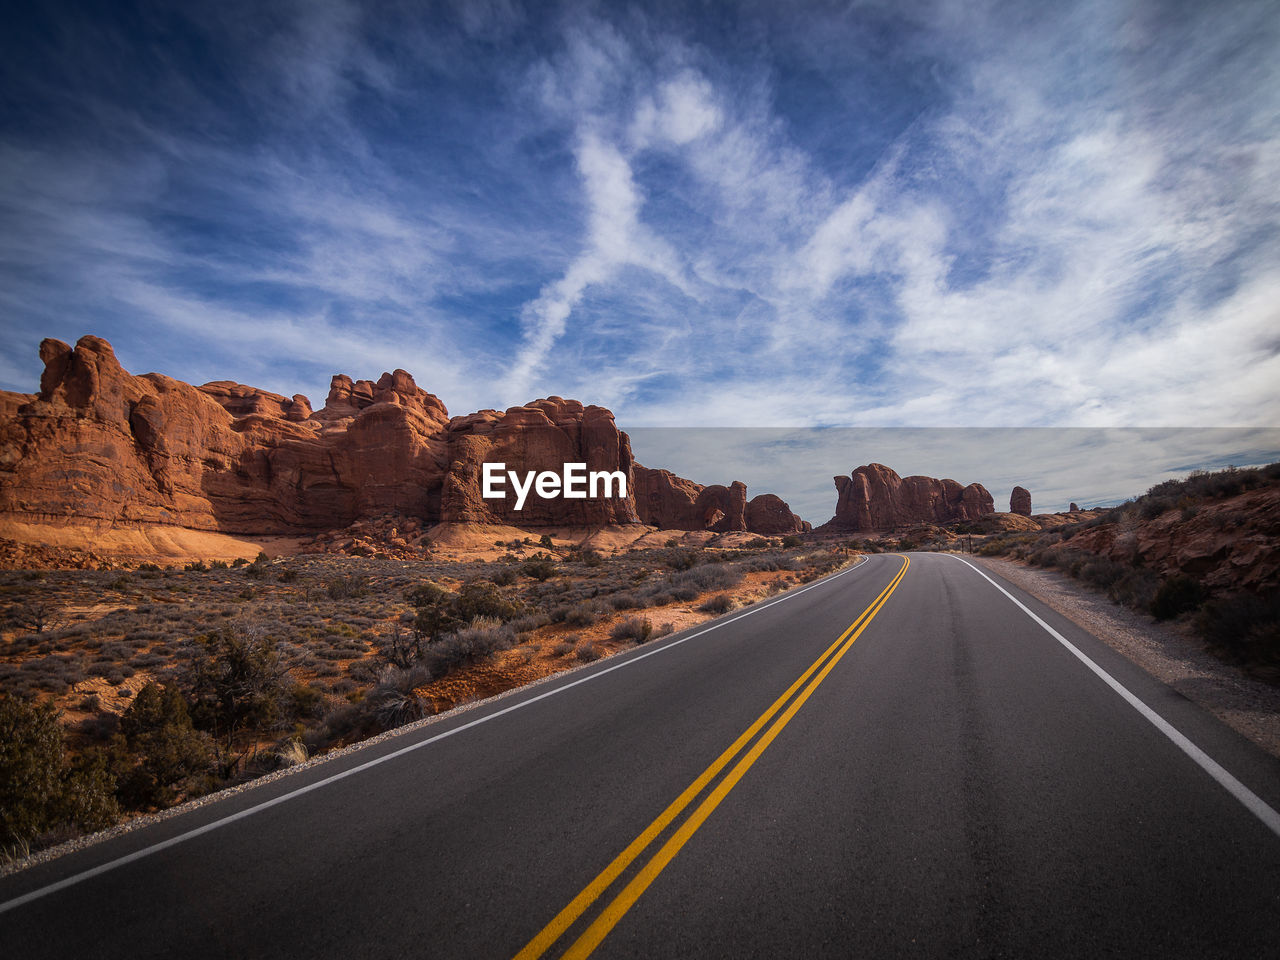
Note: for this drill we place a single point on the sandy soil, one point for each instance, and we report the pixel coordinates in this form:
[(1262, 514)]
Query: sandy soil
[(1169, 652), (158, 543)]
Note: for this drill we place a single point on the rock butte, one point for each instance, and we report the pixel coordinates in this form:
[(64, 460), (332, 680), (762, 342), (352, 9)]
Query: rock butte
[(875, 499), (99, 444), (1020, 501)]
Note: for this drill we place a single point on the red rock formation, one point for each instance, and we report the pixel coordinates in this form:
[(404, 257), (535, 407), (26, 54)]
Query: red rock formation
[(664, 500), (875, 498), (1020, 501), (543, 435), (769, 514), (674, 503), (98, 443)]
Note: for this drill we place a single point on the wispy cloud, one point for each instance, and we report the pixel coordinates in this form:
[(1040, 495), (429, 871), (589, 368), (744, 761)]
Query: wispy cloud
[(939, 214)]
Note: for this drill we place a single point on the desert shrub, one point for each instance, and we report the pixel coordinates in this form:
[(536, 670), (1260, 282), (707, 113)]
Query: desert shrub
[(1246, 627), (624, 601), (348, 587), (539, 568), (635, 629), (169, 751), (529, 622), (1100, 572), (503, 576), (1136, 589), (790, 542), (688, 584), (196, 566), (1151, 507), (287, 576), (479, 599), (428, 595), (30, 764), (563, 647), (1176, 595), (304, 700), (398, 647), (35, 615), (681, 558), (576, 614), (39, 791), (440, 612), (664, 630), (769, 562), (219, 565), (471, 644), (719, 604), (393, 703), (587, 652), (587, 556), (236, 684)]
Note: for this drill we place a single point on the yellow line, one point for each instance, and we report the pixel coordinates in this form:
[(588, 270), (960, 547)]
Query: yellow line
[(599, 929)]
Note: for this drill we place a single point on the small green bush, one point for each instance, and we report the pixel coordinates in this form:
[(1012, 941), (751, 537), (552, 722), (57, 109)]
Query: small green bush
[(157, 729), (39, 791), (539, 568)]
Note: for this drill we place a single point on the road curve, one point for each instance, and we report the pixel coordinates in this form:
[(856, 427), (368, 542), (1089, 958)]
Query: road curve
[(900, 760)]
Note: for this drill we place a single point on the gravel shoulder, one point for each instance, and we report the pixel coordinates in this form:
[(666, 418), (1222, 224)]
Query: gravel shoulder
[(1169, 652)]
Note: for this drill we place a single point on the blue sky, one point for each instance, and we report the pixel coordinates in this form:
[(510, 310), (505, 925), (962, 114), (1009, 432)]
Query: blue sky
[(932, 214)]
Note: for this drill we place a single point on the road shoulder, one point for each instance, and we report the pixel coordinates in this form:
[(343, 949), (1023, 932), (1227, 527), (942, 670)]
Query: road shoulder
[(1177, 659)]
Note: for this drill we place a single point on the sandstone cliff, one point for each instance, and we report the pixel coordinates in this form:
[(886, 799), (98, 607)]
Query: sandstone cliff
[(99, 444), (874, 498)]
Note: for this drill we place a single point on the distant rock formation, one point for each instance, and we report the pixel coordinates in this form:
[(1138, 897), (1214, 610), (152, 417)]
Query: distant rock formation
[(1020, 501), (1074, 508), (97, 443), (874, 498), (674, 503)]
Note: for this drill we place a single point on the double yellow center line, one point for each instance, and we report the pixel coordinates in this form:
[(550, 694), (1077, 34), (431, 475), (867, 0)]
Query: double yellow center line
[(609, 917)]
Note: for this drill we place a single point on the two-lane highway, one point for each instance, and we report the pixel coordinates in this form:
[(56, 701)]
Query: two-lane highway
[(910, 758)]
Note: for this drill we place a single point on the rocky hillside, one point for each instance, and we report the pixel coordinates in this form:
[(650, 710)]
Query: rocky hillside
[(1205, 549), (100, 444), (1223, 530)]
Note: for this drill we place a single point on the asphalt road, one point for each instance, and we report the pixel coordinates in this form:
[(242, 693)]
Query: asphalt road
[(950, 780)]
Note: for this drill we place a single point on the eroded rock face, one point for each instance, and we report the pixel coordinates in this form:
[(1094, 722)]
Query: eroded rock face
[(1074, 508), (99, 443), (1020, 501), (874, 498), (540, 436), (1227, 545)]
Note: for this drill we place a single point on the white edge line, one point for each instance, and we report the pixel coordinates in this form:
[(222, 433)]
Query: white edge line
[(1255, 804), (267, 804)]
